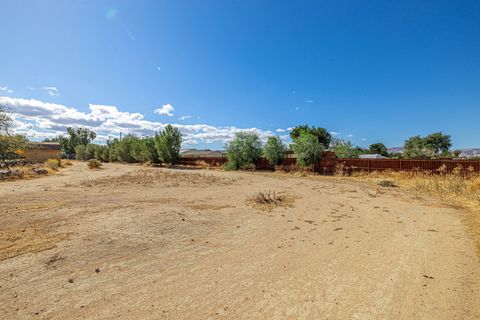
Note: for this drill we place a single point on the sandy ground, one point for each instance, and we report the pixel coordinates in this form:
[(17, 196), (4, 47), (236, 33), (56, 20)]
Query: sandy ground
[(132, 242)]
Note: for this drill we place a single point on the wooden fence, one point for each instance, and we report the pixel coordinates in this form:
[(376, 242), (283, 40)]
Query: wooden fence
[(329, 165)]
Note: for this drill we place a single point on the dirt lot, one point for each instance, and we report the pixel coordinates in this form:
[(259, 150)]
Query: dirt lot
[(133, 242)]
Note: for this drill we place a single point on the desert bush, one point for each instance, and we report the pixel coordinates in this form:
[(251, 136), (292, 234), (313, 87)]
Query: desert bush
[(243, 150), (308, 149), (102, 153), (168, 143), (80, 152), (274, 151), (268, 197), (94, 164), (90, 150), (387, 183), (52, 164)]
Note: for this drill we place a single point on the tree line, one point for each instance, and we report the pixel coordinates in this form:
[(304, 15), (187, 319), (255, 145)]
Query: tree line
[(308, 143)]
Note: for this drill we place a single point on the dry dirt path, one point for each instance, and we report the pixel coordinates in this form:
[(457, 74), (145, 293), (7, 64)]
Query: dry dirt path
[(147, 243)]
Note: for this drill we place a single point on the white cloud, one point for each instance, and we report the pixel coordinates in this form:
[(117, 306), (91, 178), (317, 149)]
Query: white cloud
[(349, 135), (364, 139), (39, 119), (158, 68), (30, 88), (165, 110), (52, 91), (289, 128), (185, 117), (5, 89), (280, 130), (297, 108), (333, 133), (309, 101)]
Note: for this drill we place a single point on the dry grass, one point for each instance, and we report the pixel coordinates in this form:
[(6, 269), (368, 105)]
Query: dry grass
[(457, 189), (31, 238), (166, 178), (268, 200), (52, 164)]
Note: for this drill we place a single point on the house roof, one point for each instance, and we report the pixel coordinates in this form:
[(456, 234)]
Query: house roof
[(44, 145)]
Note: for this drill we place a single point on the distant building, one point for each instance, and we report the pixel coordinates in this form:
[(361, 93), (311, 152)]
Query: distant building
[(371, 156), (42, 151)]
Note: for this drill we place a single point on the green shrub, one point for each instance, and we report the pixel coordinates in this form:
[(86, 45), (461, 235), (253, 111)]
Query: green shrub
[(243, 150), (80, 152), (308, 149), (274, 151), (53, 164), (90, 151), (102, 153), (168, 143), (94, 164)]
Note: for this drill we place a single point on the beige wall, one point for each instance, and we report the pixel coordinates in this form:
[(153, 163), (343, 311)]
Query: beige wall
[(41, 155)]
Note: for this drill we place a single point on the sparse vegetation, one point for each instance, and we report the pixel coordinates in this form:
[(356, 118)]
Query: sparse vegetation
[(94, 164), (268, 200), (387, 183), (53, 164)]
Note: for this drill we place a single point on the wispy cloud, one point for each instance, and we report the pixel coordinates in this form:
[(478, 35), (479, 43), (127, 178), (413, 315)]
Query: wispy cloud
[(309, 101), (39, 119), (6, 89), (185, 117), (165, 110), (52, 91), (30, 88), (280, 130)]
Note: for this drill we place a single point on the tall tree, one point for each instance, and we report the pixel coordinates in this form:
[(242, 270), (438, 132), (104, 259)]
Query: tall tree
[(274, 150), (307, 148), (322, 134), (168, 143), (379, 148), (243, 150), (5, 121), (439, 143), (416, 148), (74, 138)]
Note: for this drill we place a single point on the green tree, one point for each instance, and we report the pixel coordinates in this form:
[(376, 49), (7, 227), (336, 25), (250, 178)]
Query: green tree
[(11, 145), (75, 137), (439, 143), (168, 143), (307, 148), (6, 121), (323, 136), (149, 150), (379, 148), (243, 150), (274, 150), (345, 149), (416, 148)]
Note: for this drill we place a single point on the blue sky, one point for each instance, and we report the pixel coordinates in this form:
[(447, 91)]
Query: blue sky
[(368, 70)]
